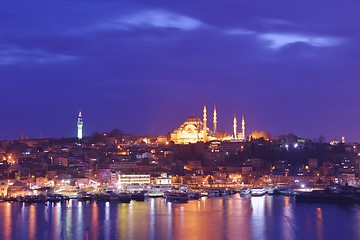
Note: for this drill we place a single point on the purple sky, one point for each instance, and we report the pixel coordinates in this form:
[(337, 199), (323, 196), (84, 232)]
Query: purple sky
[(145, 66)]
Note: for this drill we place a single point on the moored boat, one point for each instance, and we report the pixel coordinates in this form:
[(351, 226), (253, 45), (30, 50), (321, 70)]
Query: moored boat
[(34, 199), (140, 196), (284, 191), (245, 191), (176, 196), (270, 190), (257, 192), (342, 196), (83, 196), (56, 198), (124, 197), (194, 195)]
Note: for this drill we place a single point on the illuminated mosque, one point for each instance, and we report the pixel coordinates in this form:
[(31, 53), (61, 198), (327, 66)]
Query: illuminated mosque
[(194, 130)]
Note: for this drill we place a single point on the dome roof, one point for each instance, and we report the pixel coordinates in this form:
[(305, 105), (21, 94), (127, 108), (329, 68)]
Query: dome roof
[(193, 119)]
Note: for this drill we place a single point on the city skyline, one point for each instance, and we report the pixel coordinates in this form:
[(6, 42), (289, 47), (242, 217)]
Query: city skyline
[(233, 134), (145, 67)]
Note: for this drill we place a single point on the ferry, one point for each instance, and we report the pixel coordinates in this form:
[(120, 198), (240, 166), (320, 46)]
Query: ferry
[(259, 191), (176, 196)]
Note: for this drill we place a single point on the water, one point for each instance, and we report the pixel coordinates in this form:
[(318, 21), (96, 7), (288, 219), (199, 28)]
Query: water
[(267, 217)]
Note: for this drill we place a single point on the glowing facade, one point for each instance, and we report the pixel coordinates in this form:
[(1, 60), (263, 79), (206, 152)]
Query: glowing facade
[(191, 131), (194, 130), (80, 124)]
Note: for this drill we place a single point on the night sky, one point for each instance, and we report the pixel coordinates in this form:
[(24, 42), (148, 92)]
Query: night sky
[(145, 66)]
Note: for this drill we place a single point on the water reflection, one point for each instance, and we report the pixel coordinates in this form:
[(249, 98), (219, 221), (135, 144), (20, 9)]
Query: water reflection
[(218, 218), (94, 220), (121, 221), (107, 222), (258, 219), (57, 223), (319, 223), (288, 226), (8, 216), (32, 222)]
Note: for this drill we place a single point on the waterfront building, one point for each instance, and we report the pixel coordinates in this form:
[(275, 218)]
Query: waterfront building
[(133, 182), (80, 124), (17, 189), (164, 179)]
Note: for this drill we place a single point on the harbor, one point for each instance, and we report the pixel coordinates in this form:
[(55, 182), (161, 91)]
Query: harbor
[(232, 216), (183, 194)]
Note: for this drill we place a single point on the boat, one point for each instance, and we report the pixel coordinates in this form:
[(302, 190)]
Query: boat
[(140, 196), (270, 190), (156, 194), (192, 195), (346, 195), (11, 199), (83, 196), (157, 190), (257, 192), (176, 196), (245, 191), (124, 197), (213, 193), (223, 192), (34, 199), (56, 198), (203, 193), (284, 191)]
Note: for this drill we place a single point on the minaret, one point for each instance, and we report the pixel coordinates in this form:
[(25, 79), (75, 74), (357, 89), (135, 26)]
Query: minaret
[(243, 126), (215, 120), (235, 126), (80, 124), (204, 125)]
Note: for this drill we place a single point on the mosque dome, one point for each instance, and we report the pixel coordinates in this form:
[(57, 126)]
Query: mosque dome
[(190, 131)]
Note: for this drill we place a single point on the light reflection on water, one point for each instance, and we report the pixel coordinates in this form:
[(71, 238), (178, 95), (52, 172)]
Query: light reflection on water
[(267, 217), (8, 223), (32, 222)]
